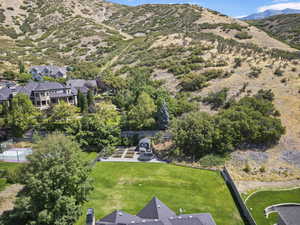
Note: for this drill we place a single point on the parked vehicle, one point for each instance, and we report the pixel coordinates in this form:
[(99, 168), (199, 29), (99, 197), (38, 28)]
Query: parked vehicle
[(145, 149), (146, 157), (145, 146)]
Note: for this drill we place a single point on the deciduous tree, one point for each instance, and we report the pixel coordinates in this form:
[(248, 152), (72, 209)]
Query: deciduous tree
[(100, 129), (141, 116), (56, 184), (23, 114), (63, 117)]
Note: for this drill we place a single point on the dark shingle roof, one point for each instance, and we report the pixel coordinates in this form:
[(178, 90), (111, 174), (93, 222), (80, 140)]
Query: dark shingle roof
[(78, 83), (48, 86), (186, 221), (149, 222), (54, 71), (156, 209), (205, 218), (119, 216), (289, 214), (156, 213), (5, 93)]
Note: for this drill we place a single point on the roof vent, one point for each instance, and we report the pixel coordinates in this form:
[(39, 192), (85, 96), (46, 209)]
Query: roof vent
[(155, 220), (132, 222), (171, 217), (191, 216), (158, 206), (143, 221), (179, 217), (120, 214)]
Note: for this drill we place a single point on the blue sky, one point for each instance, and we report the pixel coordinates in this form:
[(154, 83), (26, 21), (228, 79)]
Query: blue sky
[(233, 8)]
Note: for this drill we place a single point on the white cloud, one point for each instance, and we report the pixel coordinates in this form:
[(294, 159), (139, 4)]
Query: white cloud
[(280, 6), (276, 1), (238, 17)]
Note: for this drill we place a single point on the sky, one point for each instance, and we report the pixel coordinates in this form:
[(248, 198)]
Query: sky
[(234, 8)]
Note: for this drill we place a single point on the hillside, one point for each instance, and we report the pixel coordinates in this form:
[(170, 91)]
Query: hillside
[(64, 31), (283, 27), (172, 42)]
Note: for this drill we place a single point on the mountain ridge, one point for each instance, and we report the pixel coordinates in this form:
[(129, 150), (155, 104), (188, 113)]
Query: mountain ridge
[(269, 13)]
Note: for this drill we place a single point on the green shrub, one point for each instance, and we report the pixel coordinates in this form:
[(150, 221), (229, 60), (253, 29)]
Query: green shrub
[(217, 99), (243, 35), (265, 94), (255, 72), (193, 82), (262, 169), (237, 62), (247, 168), (212, 160), (278, 72)]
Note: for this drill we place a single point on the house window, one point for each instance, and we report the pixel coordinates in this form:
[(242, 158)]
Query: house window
[(43, 102), (38, 103)]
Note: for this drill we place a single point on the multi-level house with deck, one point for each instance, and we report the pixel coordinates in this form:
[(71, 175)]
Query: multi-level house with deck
[(42, 94), (50, 71)]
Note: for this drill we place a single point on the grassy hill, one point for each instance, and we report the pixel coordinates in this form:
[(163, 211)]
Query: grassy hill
[(283, 27)]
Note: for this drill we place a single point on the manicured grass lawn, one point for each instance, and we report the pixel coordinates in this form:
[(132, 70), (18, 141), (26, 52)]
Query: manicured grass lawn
[(89, 156), (129, 186), (260, 200), (9, 166)]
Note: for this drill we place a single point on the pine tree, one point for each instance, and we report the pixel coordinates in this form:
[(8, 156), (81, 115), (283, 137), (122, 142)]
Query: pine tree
[(90, 98), (21, 67), (82, 102), (163, 117)]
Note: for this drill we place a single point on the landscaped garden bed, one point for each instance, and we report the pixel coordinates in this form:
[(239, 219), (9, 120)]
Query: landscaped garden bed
[(129, 155)]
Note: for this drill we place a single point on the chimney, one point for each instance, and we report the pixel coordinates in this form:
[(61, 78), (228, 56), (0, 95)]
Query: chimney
[(90, 217)]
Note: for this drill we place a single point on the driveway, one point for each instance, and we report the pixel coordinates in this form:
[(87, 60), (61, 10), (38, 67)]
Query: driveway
[(127, 155)]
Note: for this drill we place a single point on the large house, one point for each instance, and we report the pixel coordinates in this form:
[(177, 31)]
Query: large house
[(154, 213), (83, 85), (50, 71), (42, 94), (289, 213)]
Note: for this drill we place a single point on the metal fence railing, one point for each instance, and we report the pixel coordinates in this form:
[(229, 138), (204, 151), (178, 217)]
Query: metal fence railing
[(15, 155), (244, 211)]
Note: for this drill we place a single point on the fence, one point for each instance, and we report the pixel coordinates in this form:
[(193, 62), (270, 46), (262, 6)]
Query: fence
[(15, 155), (247, 217)]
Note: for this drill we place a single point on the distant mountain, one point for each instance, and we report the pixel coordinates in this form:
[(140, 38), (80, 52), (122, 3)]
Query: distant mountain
[(269, 13), (282, 27)]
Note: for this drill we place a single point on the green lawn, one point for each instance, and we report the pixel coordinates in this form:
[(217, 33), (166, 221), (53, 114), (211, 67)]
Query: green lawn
[(260, 200), (129, 186), (89, 156), (10, 167)]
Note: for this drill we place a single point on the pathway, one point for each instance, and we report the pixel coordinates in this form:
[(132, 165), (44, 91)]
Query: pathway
[(245, 186), (8, 196), (114, 59)]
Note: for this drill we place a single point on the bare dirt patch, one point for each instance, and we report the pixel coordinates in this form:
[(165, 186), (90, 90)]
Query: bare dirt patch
[(8, 197)]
